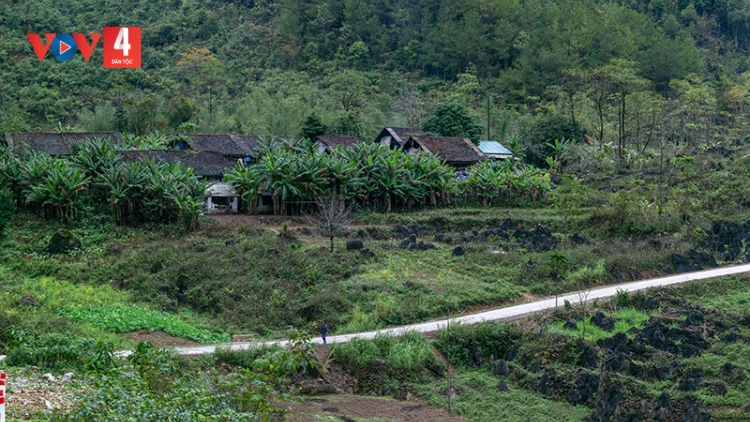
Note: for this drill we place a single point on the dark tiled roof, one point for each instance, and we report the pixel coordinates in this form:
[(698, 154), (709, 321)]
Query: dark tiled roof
[(227, 144), (203, 163), (398, 134), (452, 150), (405, 132), (54, 143), (334, 141)]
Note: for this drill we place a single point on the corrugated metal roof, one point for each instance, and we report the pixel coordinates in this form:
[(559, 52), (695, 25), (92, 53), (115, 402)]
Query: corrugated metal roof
[(493, 148)]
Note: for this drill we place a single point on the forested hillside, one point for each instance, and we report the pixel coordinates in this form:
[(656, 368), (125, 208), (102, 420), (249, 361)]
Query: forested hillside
[(628, 72)]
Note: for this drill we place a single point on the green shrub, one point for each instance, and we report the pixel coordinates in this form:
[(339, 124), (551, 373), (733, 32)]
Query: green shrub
[(56, 351), (123, 319), (461, 343), (356, 353), (543, 135), (244, 358), (410, 353)]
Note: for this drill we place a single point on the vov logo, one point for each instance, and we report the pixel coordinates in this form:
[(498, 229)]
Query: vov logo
[(122, 46)]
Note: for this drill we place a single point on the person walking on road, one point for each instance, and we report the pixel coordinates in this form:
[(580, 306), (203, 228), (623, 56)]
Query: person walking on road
[(324, 332)]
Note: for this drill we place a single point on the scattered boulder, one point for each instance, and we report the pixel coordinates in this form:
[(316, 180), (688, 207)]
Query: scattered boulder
[(501, 368), (728, 237), (437, 370), (544, 386), (718, 388), (693, 261), (404, 393), (589, 358), (63, 242), (602, 321), (732, 373), (354, 244), (502, 386), (367, 254), (617, 276), (730, 338), (578, 239), (693, 318), (458, 251), (634, 274), (691, 381), (361, 234), (584, 389), (570, 325), (425, 246)]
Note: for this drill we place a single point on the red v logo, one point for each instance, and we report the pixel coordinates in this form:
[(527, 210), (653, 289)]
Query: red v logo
[(39, 48), (84, 46)]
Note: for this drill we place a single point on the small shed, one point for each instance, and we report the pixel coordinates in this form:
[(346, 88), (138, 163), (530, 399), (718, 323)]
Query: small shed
[(495, 150), (396, 137), (329, 143), (222, 198), (457, 152), (55, 144)]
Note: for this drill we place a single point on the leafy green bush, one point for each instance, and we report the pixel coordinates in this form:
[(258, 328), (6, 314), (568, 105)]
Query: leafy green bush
[(544, 134), (357, 353), (123, 319), (56, 351), (409, 353), (461, 344), (244, 358)]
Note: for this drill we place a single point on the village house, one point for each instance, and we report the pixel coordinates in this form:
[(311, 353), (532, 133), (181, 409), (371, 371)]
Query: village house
[(54, 144), (329, 143), (396, 137), (494, 150), (239, 147), (207, 165), (459, 153)]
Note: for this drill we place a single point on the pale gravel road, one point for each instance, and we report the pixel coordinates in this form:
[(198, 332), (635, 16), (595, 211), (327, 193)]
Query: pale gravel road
[(501, 314)]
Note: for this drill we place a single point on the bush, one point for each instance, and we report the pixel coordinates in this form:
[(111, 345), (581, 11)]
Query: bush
[(356, 353), (409, 353), (462, 344), (543, 136), (244, 358), (56, 351)]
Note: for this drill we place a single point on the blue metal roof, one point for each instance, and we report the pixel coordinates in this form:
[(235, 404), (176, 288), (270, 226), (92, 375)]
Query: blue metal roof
[(493, 148)]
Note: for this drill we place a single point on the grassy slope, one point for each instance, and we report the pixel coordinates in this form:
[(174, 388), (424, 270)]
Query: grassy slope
[(544, 340)]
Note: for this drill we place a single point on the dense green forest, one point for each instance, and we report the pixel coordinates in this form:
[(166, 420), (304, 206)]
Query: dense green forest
[(628, 72)]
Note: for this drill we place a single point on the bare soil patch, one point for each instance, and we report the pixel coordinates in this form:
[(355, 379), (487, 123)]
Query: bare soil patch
[(350, 407), (158, 338)]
